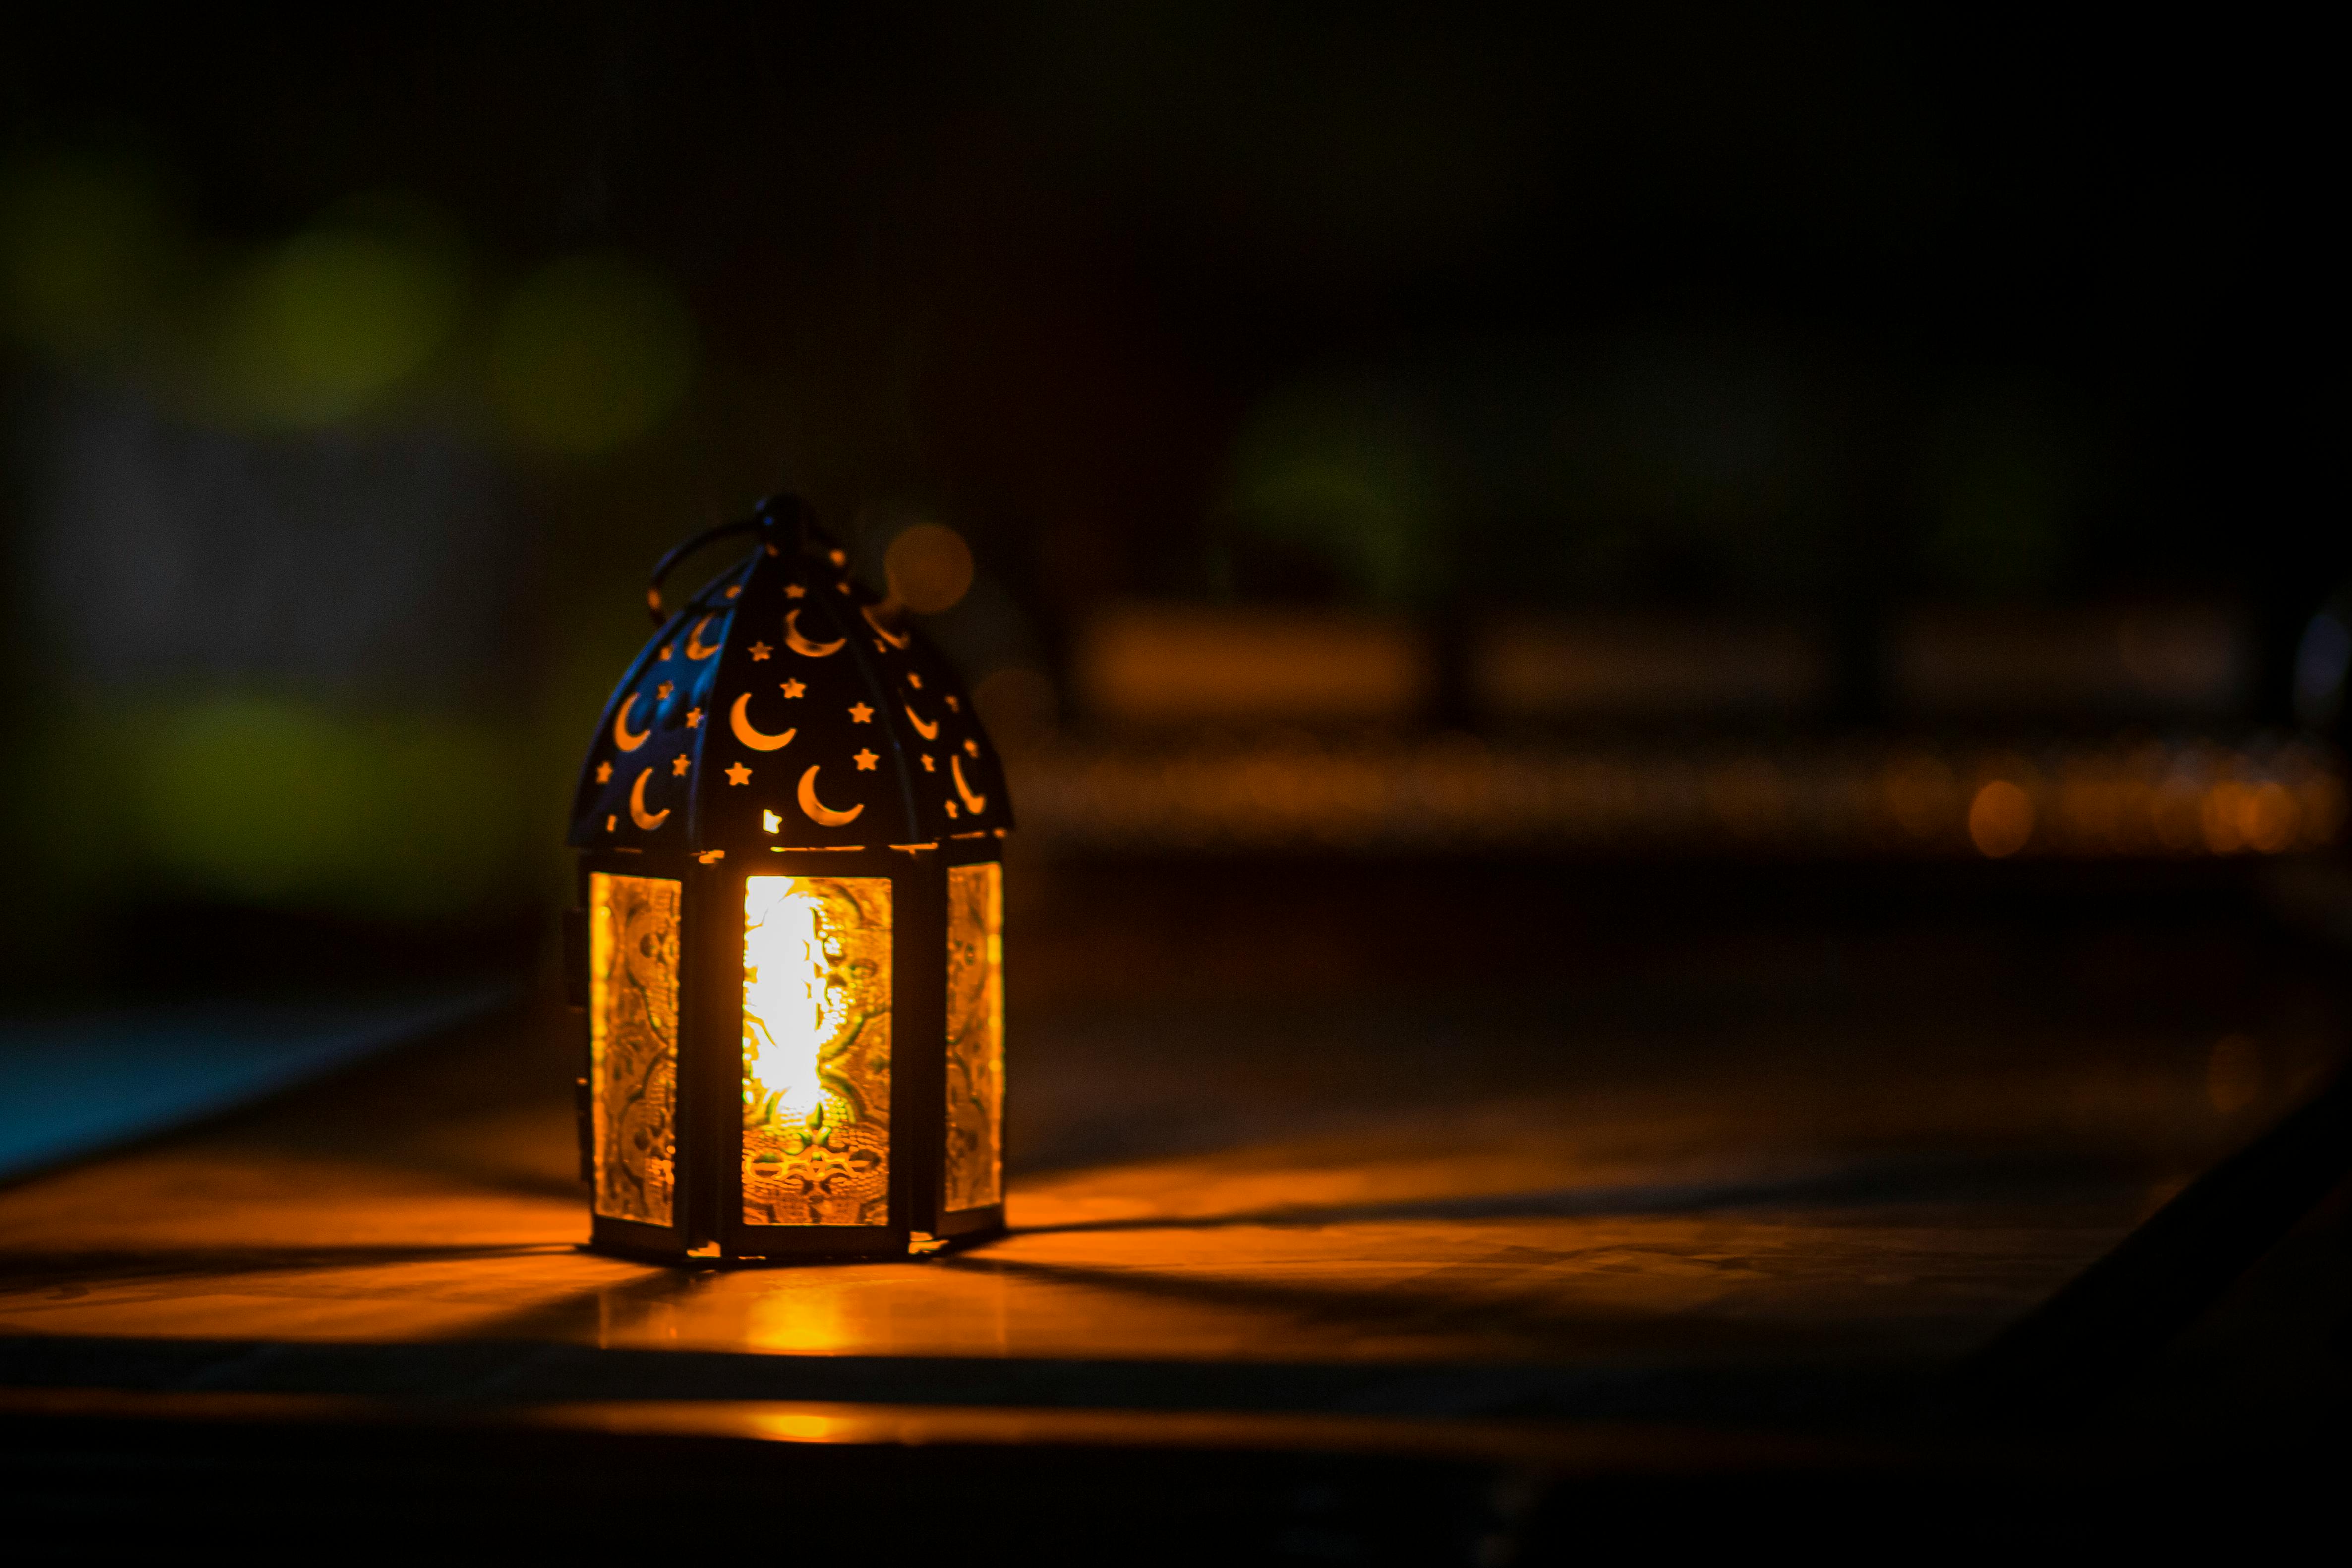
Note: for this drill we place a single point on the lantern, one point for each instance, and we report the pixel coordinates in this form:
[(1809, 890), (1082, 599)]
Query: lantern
[(787, 943)]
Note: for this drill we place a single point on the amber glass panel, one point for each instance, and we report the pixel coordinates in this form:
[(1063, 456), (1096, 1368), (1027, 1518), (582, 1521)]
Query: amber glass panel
[(817, 1051), (633, 1043), (975, 1036)]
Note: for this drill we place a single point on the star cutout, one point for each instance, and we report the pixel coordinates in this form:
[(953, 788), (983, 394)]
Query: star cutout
[(860, 714), (679, 764), (954, 706), (739, 774), (661, 692), (666, 650), (794, 591), (914, 680), (793, 688), (603, 773), (929, 765), (759, 652), (866, 761), (971, 748), (694, 719), (952, 812)]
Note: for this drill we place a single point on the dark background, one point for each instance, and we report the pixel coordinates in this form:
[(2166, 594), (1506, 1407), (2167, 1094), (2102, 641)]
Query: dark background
[(359, 365)]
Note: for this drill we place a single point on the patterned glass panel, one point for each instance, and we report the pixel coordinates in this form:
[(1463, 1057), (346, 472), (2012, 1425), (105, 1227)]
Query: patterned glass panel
[(975, 1036), (817, 1051), (633, 1043)]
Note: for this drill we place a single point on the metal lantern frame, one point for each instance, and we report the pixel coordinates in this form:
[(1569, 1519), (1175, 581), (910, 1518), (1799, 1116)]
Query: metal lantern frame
[(707, 842)]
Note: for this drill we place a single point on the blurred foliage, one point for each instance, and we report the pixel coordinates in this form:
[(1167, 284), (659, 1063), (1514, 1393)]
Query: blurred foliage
[(314, 329), (591, 351), (585, 353), (247, 799), (1333, 495), (1651, 464), (87, 248)]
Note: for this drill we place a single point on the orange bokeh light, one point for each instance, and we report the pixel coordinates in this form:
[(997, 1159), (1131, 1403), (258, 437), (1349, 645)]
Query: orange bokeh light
[(2000, 819)]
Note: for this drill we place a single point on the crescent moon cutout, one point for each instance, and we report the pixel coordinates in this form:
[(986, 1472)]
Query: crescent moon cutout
[(928, 731), (738, 718), (646, 820), (818, 811), (896, 638), (621, 735), (974, 803), (800, 644), (694, 648)]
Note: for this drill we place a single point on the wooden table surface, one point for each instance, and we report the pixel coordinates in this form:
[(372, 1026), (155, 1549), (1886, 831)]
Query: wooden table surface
[(1774, 1181)]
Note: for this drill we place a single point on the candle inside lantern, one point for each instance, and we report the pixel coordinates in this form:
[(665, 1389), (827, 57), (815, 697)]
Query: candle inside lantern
[(785, 998), (816, 1050)]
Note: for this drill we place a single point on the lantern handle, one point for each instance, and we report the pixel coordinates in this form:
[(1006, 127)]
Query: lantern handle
[(771, 513)]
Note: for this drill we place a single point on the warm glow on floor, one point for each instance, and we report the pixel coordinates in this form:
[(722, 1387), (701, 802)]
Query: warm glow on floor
[(785, 997)]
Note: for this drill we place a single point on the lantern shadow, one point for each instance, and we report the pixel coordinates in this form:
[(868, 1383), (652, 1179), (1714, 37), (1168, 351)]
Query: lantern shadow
[(1504, 1300), (1884, 1182), (81, 1271)]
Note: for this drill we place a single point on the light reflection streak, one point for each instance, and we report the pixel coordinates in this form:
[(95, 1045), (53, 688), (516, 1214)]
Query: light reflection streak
[(1612, 1446)]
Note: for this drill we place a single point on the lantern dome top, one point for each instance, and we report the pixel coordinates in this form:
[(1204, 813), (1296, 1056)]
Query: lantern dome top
[(785, 707)]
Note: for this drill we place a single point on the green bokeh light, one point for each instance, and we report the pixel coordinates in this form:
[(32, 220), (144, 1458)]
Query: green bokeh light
[(84, 247), (318, 327), (1346, 478), (273, 801), (591, 352)]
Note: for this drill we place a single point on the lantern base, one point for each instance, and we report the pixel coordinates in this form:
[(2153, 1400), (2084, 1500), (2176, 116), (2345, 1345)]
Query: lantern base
[(964, 1225), (797, 1244)]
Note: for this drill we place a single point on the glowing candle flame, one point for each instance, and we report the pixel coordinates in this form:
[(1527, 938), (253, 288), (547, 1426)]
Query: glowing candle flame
[(788, 1005)]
